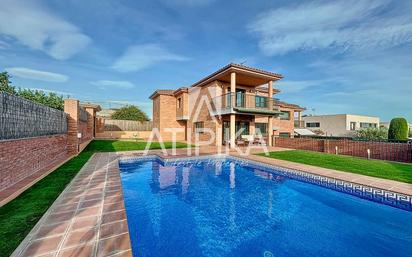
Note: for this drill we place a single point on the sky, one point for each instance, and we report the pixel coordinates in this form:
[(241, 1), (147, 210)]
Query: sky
[(336, 56)]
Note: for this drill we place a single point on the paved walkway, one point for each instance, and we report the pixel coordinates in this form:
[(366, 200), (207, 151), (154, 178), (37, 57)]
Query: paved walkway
[(89, 219)]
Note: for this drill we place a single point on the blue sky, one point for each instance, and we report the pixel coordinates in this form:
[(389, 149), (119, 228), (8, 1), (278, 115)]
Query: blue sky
[(336, 56)]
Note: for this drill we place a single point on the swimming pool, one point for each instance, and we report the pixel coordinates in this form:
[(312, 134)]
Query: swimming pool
[(225, 207)]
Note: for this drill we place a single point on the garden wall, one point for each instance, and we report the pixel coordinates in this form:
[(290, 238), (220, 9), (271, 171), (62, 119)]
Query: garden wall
[(22, 157), (122, 129), (401, 152), (35, 138)]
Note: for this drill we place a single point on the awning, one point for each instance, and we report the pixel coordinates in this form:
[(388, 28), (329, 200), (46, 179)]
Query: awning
[(304, 132), (257, 111)]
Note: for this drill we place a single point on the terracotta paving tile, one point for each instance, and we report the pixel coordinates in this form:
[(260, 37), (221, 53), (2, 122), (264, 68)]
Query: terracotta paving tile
[(52, 230), (92, 211), (113, 245), (85, 250), (42, 246), (91, 203), (89, 197), (59, 217), (127, 253), (65, 208), (113, 216), (86, 222), (113, 229), (111, 207), (79, 237)]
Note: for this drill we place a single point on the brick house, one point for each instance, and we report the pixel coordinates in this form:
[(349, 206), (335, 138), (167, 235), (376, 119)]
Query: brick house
[(234, 98)]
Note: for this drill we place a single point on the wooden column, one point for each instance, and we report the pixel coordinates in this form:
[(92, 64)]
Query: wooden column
[(232, 115), (270, 119)]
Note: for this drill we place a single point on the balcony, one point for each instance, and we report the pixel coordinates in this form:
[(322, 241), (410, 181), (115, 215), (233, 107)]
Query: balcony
[(299, 123), (244, 103)]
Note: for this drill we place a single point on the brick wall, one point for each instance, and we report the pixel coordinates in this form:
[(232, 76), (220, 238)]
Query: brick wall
[(401, 152), (21, 158)]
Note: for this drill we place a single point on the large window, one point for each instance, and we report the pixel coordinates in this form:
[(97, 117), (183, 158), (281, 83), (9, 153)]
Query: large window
[(285, 115), (261, 102), (199, 127), (261, 128), (313, 124), (368, 125), (353, 126)]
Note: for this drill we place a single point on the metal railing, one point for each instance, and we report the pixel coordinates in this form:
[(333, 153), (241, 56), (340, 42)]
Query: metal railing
[(243, 100), (299, 123)]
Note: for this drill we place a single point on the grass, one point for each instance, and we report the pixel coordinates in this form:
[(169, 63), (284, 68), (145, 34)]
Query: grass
[(118, 146), (20, 215), (375, 168)]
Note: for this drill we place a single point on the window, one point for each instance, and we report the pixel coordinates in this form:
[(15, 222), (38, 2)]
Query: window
[(260, 102), (285, 115), (313, 124), (199, 127), (368, 125), (179, 103), (284, 134), (241, 125), (261, 128), (352, 125)]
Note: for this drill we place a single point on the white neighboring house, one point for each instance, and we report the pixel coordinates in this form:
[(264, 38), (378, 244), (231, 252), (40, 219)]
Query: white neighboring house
[(340, 125)]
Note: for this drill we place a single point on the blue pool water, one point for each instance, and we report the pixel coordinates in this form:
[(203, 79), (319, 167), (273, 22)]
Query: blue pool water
[(225, 208)]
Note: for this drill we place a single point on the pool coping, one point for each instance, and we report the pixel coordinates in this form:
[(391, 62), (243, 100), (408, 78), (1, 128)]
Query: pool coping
[(111, 189)]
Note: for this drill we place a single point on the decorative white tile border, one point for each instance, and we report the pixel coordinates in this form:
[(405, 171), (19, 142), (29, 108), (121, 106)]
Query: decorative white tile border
[(374, 194)]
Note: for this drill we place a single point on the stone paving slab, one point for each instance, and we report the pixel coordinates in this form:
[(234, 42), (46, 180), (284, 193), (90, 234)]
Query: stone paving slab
[(89, 217)]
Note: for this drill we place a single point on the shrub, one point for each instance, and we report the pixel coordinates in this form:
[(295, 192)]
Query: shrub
[(372, 133), (398, 129)]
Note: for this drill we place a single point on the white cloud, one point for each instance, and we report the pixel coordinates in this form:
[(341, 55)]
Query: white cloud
[(191, 3), (36, 27), (64, 93), (341, 24), (37, 74), (294, 86), (139, 57), (103, 84)]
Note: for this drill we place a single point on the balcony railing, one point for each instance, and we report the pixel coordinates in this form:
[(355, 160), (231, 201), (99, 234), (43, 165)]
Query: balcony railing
[(299, 124), (243, 102)]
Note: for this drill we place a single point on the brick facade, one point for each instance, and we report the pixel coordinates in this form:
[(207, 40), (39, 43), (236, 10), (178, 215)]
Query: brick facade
[(22, 157)]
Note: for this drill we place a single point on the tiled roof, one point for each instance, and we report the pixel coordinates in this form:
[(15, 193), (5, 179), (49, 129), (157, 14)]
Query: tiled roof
[(162, 92), (238, 66), (288, 105)]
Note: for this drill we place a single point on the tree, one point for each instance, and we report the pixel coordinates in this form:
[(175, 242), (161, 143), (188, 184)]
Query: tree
[(50, 99), (5, 83), (398, 129), (372, 133), (130, 112)]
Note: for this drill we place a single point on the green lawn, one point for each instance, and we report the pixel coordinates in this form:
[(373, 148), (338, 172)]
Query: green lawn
[(375, 168), (118, 146), (20, 215)]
